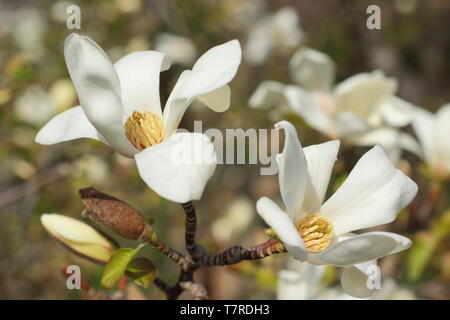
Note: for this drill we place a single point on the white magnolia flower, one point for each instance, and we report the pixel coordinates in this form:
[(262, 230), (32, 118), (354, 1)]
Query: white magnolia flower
[(362, 110), (433, 132), (120, 106), (277, 31), (320, 232)]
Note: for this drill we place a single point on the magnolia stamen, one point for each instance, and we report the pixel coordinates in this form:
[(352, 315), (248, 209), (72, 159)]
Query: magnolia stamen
[(316, 232), (144, 129)]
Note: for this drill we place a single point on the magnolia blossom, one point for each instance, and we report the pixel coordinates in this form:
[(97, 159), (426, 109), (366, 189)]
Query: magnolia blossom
[(277, 31), (362, 110), (120, 106), (433, 132), (78, 236), (321, 232)]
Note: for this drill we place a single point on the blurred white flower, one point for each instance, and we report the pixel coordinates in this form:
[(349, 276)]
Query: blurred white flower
[(391, 290), (58, 10), (320, 232), (120, 107), (299, 280), (179, 49), (236, 219), (302, 281), (93, 167), (244, 13), (278, 31), (433, 131), (28, 29), (362, 110), (62, 94), (34, 106)]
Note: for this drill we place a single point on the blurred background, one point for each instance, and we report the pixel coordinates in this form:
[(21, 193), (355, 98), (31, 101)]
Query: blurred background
[(412, 46)]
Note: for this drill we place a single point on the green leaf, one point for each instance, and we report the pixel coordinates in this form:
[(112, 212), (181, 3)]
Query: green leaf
[(116, 266), (142, 271)]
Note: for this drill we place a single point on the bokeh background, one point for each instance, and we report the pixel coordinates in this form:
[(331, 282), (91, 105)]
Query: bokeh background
[(413, 46)]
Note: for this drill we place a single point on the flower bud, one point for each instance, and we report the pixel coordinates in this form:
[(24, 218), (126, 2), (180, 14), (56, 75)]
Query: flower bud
[(78, 237), (114, 214)]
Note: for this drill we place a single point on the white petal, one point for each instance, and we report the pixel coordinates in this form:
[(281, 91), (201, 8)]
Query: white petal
[(268, 94), (301, 282), (139, 79), (354, 280), (68, 125), (312, 69), (373, 194), (217, 100), (320, 159), (395, 111), (98, 88), (293, 176), (363, 92), (212, 71), (361, 248), (309, 108), (178, 168), (283, 227), (392, 140), (72, 229), (349, 124)]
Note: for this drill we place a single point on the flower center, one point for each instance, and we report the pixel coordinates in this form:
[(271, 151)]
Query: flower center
[(144, 129), (316, 232)]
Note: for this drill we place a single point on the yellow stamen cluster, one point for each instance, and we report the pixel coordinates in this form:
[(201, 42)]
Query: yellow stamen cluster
[(316, 232), (144, 129)]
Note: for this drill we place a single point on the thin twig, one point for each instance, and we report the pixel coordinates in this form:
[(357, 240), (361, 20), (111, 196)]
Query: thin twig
[(237, 254), (190, 229), (197, 258)]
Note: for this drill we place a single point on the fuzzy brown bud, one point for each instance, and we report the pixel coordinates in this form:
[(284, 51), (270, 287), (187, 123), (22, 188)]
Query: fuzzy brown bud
[(114, 214)]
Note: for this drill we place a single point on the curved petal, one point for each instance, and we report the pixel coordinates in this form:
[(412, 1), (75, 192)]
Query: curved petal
[(354, 280), (293, 176), (373, 194), (212, 71), (217, 100), (68, 125), (361, 248), (283, 227), (98, 88), (392, 140), (320, 159), (268, 94), (349, 124), (395, 111), (361, 93), (307, 106), (178, 168), (139, 79), (312, 69)]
